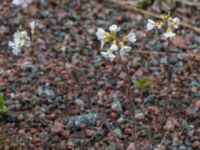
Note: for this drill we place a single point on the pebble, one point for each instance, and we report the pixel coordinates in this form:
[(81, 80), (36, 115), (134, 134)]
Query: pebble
[(163, 60), (66, 134), (197, 104), (116, 106), (182, 147), (90, 133), (79, 102), (173, 59), (111, 146), (131, 146), (196, 144), (28, 66), (192, 111), (20, 117), (139, 116), (154, 62), (87, 119), (57, 128), (149, 100), (117, 133), (46, 91), (12, 117), (196, 95)]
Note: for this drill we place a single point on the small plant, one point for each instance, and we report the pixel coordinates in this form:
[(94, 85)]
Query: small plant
[(117, 49), (2, 105), (169, 24), (143, 83)]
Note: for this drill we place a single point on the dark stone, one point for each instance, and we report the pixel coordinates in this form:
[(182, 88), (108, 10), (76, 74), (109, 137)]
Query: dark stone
[(149, 100)]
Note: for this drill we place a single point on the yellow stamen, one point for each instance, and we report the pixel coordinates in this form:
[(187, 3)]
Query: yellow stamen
[(121, 44)]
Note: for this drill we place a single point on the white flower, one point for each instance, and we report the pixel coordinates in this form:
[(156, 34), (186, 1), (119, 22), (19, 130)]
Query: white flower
[(132, 36), (124, 50), (23, 3), (108, 55), (100, 33), (23, 38), (175, 21), (114, 47), (150, 24), (20, 39), (114, 28), (167, 35)]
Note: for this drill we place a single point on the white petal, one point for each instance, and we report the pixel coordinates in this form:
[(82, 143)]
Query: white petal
[(108, 55), (132, 36), (104, 54), (167, 35), (16, 51), (124, 50), (177, 22), (11, 44), (150, 24), (114, 47), (114, 28), (100, 33), (112, 56)]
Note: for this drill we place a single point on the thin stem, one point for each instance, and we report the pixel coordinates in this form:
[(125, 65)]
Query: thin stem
[(169, 77), (131, 106)]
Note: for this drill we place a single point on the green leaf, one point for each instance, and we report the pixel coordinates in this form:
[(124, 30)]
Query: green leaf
[(2, 104), (143, 83)]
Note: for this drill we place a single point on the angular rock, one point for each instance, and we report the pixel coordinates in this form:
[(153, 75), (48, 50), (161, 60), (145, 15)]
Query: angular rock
[(116, 106), (86, 119), (57, 128)]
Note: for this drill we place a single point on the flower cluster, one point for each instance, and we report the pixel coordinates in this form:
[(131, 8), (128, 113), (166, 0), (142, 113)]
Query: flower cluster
[(21, 39), (116, 44), (22, 3), (166, 21)]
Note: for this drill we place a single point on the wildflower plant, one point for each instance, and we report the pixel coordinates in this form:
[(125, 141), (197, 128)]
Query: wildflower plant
[(169, 25), (117, 48), (167, 22)]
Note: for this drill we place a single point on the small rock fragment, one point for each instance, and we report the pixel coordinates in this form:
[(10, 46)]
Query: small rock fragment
[(57, 128), (196, 144), (131, 146), (79, 102), (90, 133), (117, 133), (139, 116), (116, 106)]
